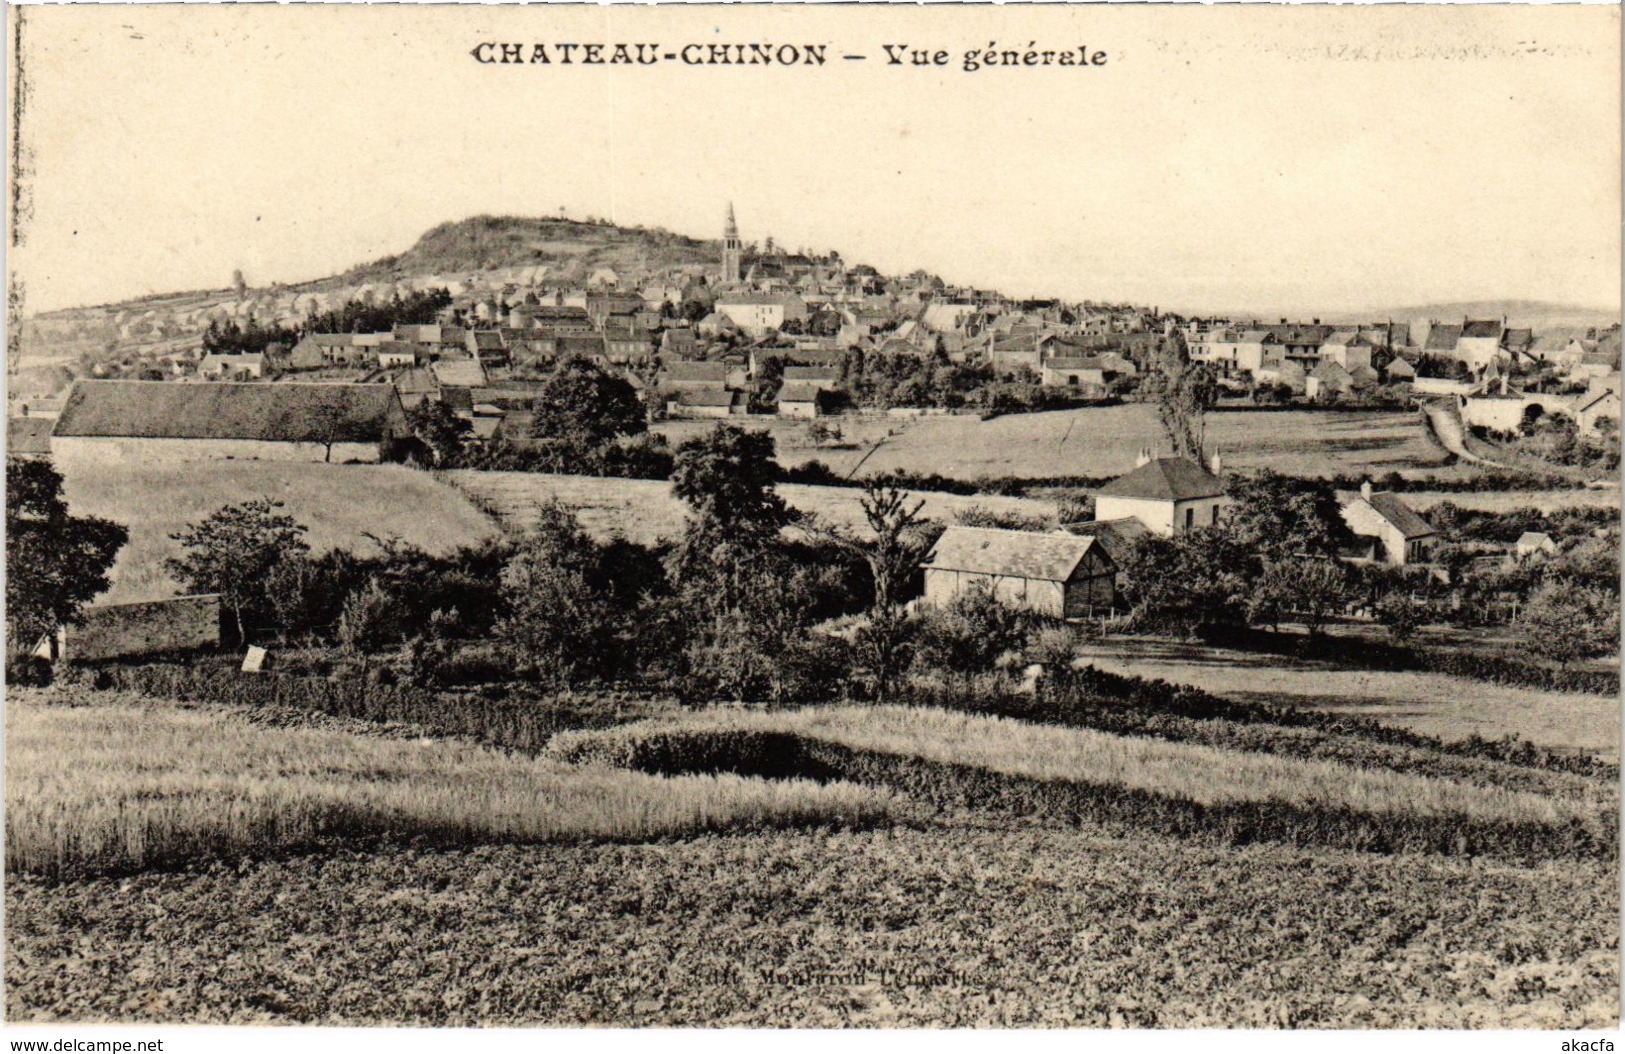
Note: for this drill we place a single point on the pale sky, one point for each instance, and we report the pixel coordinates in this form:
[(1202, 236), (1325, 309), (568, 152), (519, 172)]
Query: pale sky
[(1311, 160)]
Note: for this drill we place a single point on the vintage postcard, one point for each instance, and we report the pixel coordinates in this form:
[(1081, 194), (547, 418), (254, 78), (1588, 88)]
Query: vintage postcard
[(799, 517)]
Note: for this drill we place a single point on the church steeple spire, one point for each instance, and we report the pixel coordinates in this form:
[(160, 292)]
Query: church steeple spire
[(730, 248)]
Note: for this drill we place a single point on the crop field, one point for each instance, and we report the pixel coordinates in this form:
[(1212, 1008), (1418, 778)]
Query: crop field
[(341, 504), (1547, 501), (1102, 441), (1138, 783), (645, 875), (125, 785), (646, 511), (1432, 704), (942, 926)]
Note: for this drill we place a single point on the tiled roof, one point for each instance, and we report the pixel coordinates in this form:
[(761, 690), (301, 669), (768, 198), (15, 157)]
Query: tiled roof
[(345, 413), (799, 392), (1443, 338), (1166, 479), (696, 371), (1405, 520), (1016, 554), (463, 373)]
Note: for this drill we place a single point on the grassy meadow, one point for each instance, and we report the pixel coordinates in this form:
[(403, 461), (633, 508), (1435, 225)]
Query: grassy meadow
[(1430, 703), (646, 511), (256, 865), (125, 784), (1128, 766), (1102, 441), (341, 504)]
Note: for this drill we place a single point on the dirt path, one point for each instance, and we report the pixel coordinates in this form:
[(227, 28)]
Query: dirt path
[(1447, 429)]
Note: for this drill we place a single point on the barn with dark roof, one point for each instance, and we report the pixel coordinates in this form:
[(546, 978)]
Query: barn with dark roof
[(119, 420), (1062, 575)]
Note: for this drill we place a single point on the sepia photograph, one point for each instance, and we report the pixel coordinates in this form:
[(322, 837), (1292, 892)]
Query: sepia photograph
[(813, 517)]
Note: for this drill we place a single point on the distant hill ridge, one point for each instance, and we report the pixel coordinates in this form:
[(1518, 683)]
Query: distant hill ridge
[(568, 248)]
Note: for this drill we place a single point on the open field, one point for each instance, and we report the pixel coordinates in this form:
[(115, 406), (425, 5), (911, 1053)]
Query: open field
[(944, 926), (956, 916), (341, 504), (1432, 704), (1102, 441), (645, 511), (1208, 776), (1547, 501), (125, 785)]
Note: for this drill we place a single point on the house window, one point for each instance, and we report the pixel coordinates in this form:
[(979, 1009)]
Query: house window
[(1190, 518), (1215, 515)]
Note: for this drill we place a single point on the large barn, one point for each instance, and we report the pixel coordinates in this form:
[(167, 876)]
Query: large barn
[(120, 420), (1061, 575)]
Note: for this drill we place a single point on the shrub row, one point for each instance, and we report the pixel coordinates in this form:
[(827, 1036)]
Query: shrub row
[(514, 720), (1125, 810)]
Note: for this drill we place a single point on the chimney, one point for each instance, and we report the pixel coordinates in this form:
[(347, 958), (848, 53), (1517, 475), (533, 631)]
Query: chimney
[(1365, 490), (1218, 462), (1144, 457)]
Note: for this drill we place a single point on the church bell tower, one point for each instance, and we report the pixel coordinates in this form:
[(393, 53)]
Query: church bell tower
[(730, 248)]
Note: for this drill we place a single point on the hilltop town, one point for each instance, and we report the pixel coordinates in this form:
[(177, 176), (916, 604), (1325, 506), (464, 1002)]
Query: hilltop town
[(724, 329)]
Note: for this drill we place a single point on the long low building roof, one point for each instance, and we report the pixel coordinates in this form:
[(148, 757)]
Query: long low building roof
[(1010, 554), (291, 413)]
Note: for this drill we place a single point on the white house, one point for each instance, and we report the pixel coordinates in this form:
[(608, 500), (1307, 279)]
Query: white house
[(1169, 495), (1402, 536)]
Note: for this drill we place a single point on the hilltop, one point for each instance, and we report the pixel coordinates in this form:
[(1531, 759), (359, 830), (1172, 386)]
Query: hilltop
[(570, 249)]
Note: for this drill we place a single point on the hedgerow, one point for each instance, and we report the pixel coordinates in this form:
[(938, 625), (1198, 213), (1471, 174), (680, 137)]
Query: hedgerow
[(511, 718)]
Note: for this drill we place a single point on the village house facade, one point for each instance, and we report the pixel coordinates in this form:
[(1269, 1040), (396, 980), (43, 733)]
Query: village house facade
[(1401, 535)]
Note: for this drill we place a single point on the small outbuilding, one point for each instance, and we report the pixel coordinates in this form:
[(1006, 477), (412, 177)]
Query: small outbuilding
[(1061, 575)]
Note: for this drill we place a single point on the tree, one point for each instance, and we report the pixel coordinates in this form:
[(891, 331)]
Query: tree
[(727, 477), (1278, 516), (55, 563), (445, 435), (1185, 395), (232, 552), (561, 624), (371, 619), (968, 636), (583, 407), (901, 539), (1566, 621), (1194, 582), (1401, 615)]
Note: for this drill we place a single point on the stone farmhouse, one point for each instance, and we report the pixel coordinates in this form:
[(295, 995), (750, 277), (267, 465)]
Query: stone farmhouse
[(154, 420)]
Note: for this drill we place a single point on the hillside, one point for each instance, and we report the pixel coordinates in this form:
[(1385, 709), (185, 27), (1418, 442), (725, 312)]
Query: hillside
[(568, 248), (345, 506)]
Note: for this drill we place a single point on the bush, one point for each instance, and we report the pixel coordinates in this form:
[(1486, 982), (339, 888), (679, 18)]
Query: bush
[(1567, 621), (28, 671)]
